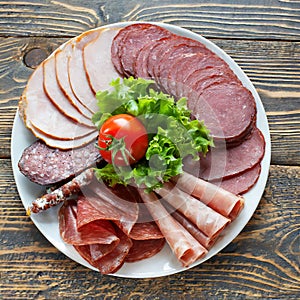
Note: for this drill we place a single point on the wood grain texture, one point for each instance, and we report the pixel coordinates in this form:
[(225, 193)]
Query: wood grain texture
[(250, 19), (262, 262)]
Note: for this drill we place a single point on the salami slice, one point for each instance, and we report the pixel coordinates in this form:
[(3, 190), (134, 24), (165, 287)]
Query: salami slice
[(186, 248), (46, 165), (210, 222), (144, 249)]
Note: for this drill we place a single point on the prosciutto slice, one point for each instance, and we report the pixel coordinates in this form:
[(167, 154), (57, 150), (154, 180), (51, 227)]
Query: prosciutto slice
[(43, 118), (96, 232), (97, 61), (61, 61), (222, 201), (118, 204), (77, 75), (186, 248), (207, 220)]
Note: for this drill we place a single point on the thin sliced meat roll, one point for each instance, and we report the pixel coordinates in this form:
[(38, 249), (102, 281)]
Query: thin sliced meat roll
[(77, 75), (61, 61), (186, 248), (43, 118), (58, 98), (97, 60), (207, 220), (220, 200)]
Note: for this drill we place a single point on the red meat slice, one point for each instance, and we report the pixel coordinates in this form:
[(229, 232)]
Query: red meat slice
[(226, 163), (135, 40), (112, 261), (95, 232), (242, 182), (144, 249), (228, 110)]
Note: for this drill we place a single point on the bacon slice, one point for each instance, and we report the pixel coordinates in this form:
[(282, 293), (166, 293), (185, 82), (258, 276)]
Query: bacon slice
[(207, 220), (186, 248), (58, 98), (222, 201), (42, 117), (97, 60), (61, 61), (77, 75)]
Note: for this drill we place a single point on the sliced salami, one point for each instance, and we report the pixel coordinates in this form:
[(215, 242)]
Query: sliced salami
[(144, 249), (45, 165)]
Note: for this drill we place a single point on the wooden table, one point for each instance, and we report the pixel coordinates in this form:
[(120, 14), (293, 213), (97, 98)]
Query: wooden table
[(263, 261)]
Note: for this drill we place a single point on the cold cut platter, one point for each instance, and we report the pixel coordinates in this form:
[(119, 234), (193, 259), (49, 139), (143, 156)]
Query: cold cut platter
[(166, 211)]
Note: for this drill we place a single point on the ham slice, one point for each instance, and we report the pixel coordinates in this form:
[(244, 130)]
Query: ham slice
[(220, 200), (186, 248), (97, 60), (77, 75), (58, 98), (61, 60), (43, 118), (207, 220)]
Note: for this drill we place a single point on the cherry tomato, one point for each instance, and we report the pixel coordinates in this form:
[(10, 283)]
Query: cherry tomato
[(123, 140)]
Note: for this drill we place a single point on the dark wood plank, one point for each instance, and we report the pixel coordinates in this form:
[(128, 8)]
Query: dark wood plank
[(219, 18), (273, 67), (262, 262)]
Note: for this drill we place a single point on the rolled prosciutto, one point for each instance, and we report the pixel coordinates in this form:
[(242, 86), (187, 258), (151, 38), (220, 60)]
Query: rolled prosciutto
[(207, 220), (186, 248), (220, 200)]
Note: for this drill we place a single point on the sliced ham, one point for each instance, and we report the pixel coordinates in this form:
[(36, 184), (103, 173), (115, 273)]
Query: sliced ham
[(220, 200), (77, 75), (207, 220), (186, 248), (43, 118), (97, 60), (61, 60), (58, 98), (144, 249)]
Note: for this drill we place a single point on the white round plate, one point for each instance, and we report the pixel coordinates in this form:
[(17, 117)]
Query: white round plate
[(163, 263)]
